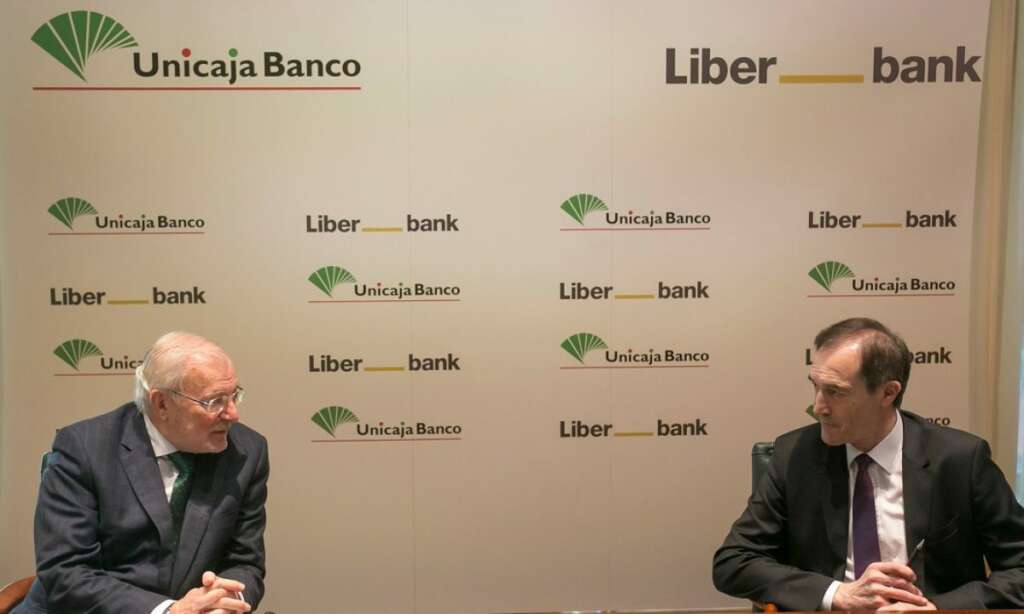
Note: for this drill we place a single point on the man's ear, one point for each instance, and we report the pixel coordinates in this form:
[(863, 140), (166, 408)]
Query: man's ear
[(158, 404), (890, 390)]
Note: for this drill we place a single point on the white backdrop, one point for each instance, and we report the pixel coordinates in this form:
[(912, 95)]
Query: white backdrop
[(484, 118)]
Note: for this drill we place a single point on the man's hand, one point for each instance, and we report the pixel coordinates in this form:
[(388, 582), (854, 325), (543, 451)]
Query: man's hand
[(215, 596), (881, 585)]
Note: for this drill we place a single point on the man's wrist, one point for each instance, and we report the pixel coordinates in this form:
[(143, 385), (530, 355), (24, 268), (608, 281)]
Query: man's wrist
[(826, 601)]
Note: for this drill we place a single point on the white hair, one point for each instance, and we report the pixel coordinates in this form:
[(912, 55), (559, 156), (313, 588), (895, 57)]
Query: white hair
[(166, 363)]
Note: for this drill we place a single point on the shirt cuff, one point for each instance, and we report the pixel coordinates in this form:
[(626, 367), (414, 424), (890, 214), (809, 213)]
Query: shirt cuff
[(826, 601), (162, 606)]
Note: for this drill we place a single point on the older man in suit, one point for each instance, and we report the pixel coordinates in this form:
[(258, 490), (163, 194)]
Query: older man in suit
[(158, 506), (873, 507)]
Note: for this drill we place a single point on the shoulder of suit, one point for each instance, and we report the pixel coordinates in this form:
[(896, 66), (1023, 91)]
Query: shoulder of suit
[(246, 437), (944, 438), (110, 421)]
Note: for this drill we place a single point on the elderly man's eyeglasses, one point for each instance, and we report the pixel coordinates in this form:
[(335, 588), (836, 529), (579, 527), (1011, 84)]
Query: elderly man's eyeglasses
[(217, 404)]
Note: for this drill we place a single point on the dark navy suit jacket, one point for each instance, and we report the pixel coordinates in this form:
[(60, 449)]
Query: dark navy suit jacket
[(790, 543), (103, 523)]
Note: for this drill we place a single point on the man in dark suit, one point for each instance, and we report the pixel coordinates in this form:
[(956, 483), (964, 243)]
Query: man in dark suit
[(157, 506), (873, 507)]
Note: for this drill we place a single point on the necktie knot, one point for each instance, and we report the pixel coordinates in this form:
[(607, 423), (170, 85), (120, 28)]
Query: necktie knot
[(863, 462), (182, 462)]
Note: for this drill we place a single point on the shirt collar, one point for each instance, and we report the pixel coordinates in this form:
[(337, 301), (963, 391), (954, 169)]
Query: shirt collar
[(161, 447), (888, 453)]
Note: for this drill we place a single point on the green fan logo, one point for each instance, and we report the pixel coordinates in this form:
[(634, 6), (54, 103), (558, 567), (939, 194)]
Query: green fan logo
[(827, 272), (74, 350), (72, 38), (329, 277), (579, 344), (67, 209), (328, 418), (810, 411), (577, 207)]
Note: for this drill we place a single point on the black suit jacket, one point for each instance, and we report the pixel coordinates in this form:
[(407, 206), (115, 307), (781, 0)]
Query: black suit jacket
[(103, 523), (790, 543)]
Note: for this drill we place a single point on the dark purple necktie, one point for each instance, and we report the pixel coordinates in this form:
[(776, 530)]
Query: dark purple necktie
[(865, 526)]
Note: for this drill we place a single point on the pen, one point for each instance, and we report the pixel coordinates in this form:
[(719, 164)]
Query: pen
[(917, 549)]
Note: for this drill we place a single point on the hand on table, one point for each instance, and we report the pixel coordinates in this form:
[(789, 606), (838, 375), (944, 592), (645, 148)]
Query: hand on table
[(216, 596), (881, 586)]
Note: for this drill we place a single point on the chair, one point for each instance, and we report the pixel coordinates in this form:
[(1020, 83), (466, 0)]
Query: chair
[(760, 456), (15, 592)]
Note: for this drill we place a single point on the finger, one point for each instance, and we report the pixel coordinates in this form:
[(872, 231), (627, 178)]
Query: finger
[(231, 586), (210, 598), (892, 568), (209, 578), (233, 605), (896, 594), (896, 582)]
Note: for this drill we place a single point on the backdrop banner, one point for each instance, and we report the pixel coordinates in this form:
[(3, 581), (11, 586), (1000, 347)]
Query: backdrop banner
[(512, 287)]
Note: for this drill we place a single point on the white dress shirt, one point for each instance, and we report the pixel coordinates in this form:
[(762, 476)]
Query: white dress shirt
[(168, 473), (887, 476)]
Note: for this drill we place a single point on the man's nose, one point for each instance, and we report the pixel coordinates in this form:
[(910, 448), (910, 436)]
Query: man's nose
[(820, 406), (230, 413)]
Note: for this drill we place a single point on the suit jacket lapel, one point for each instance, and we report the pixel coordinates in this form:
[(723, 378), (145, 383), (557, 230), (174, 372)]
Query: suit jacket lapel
[(836, 504), (143, 474), (917, 485), (207, 489)]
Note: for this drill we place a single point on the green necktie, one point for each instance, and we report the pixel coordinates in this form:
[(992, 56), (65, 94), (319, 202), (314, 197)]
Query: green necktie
[(179, 494)]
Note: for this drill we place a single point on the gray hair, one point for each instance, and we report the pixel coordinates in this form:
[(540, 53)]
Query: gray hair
[(166, 363)]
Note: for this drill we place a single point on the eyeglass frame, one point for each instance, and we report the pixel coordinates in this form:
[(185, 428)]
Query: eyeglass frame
[(235, 397)]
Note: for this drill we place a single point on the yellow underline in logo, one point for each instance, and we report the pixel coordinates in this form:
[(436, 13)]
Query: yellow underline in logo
[(128, 301), (378, 369), (634, 296), (382, 229), (634, 434), (819, 79), (884, 225)]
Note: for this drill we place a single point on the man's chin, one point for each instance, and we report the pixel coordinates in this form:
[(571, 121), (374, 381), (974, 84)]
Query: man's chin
[(218, 442), (831, 436)]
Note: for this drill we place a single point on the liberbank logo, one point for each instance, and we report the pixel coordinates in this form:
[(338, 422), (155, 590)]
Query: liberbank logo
[(578, 291), (832, 276), (938, 356), (333, 418), (592, 214), (80, 355), (591, 352), (322, 223), (329, 364), (578, 429), (68, 210), (73, 38), (911, 220), (67, 296), (341, 286), (704, 66)]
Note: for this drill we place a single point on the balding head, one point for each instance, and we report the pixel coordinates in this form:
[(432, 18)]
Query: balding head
[(168, 362)]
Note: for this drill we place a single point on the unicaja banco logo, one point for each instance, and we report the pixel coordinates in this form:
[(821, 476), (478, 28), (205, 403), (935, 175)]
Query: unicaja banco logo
[(67, 209), (329, 277), (578, 206), (579, 344), (328, 418), (74, 350), (72, 38), (827, 272)]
